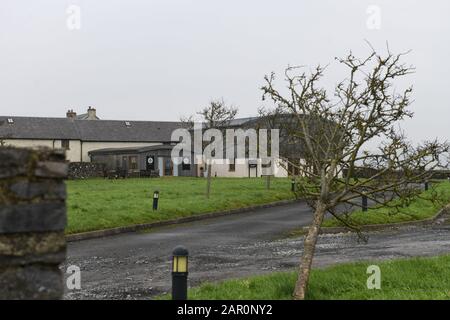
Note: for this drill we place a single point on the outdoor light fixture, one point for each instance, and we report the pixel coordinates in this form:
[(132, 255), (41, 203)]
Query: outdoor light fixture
[(179, 273), (155, 200), (292, 185)]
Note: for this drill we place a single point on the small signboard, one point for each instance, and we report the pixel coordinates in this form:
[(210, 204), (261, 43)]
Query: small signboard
[(150, 163)]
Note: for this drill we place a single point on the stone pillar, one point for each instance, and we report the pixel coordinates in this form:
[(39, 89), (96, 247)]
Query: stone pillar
[(32, 222)]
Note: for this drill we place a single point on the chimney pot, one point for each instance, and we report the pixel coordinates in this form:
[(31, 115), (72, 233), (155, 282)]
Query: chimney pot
[(92, 113), (71, 114)]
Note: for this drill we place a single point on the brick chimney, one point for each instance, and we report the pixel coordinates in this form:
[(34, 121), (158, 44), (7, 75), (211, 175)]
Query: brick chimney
[(92, 114), (71, 114)]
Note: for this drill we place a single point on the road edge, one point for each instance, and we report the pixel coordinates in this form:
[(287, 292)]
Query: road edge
[(139, 227), (386, 226)]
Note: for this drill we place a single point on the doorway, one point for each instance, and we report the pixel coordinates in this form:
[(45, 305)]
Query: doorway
[(168, 167)]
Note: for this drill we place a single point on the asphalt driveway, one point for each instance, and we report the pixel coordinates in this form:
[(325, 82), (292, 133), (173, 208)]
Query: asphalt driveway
[(137, 265)]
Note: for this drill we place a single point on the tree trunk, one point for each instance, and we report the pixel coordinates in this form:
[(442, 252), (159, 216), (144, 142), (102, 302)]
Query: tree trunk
[(308, 253), (208, 181)]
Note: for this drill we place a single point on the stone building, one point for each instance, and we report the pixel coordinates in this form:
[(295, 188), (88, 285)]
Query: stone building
[(79, 135), (121, 144), (150, 160)]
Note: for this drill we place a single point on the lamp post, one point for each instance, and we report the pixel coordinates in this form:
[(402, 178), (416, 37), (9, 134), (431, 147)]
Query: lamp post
[(179, 273), (155, 200), (292, 185)]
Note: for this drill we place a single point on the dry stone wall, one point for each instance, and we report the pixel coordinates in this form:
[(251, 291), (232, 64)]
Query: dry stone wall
[(32, 222)]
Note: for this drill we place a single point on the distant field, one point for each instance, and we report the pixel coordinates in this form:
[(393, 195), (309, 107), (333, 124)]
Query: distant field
[(95, 204), (415, 278), (419, 209)]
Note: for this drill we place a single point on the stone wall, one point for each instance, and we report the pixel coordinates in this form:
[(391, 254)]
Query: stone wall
[(441, 174), (83, 170), (32, 222), (369, 172)]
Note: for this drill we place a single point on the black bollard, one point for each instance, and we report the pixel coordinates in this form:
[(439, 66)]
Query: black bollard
[(364, 203), (293, 185), (155, 200), (179, 273)]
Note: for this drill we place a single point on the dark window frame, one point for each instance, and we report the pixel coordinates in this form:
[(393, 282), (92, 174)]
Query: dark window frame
[(65, 144), (133, 163)]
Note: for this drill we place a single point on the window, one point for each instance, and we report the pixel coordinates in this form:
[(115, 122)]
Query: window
[(133, 163), (65, 144)]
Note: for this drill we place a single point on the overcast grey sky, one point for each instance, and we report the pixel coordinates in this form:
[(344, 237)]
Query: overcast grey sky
[(160, 59)]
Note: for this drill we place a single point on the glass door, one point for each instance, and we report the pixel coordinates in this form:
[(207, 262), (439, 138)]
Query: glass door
[(168, 167)]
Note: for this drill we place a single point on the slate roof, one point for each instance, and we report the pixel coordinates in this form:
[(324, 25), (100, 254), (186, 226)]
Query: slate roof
[(240, 121), (85, 116), (86, 130), (93, 130), (115, 130), (130, 149), (38, 128)]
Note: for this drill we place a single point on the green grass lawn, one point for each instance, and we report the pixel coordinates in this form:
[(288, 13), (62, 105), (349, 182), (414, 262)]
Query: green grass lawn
[(416, 278), (95, 204), (418, 209)]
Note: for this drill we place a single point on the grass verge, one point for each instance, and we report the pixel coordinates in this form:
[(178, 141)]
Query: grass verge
[(96, 204), (419, 209), (415, 278)]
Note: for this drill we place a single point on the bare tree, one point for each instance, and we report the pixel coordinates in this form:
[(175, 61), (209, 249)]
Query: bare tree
[(217, 115), (337, 132)]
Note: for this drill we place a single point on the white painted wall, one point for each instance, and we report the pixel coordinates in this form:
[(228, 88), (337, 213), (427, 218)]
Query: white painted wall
[(241, 169), (73, 154), (80, 151), (24, 143), (77, 151)]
